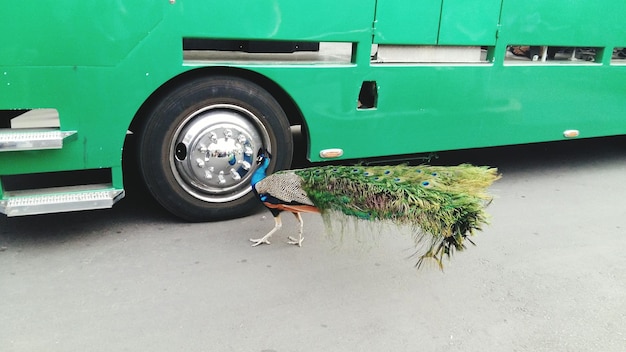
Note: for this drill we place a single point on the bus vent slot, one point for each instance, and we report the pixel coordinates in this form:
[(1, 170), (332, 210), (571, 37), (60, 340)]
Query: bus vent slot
[(368, 95)]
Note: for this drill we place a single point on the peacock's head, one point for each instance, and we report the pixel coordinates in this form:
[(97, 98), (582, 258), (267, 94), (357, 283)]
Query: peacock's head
[(263, 155)]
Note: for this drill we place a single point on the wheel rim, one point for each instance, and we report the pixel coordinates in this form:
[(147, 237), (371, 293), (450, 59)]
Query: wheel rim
[(213, 150)]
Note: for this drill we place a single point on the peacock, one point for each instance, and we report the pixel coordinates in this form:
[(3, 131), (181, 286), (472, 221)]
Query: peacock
[(442, 205)]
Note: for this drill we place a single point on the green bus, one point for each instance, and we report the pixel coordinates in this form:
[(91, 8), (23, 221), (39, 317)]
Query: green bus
[(200, 86)]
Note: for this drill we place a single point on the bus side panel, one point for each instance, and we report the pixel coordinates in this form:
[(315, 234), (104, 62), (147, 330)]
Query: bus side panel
[(94, 64), (419, 108), (427, 107), (431, 108), (97, 64)]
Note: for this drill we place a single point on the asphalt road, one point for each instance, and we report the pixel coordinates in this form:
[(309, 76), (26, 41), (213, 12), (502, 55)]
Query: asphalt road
[(549, 273)]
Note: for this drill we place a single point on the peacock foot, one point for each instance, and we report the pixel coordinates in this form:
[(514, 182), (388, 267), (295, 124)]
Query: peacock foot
[(297, 242), (258, 241)]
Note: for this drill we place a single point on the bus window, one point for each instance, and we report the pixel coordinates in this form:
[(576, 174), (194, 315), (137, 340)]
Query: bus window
[(541, 54), (204, 51), (424, 54), (619, 56)]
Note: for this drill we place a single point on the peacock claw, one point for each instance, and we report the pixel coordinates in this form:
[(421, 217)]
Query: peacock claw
[(259, 241), (297, 242)]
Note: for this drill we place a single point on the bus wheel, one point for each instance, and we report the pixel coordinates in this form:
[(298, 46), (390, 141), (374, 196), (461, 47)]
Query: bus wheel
[(197, 148)]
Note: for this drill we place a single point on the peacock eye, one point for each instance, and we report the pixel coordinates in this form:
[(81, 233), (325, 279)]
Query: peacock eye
[(366, 173), (397, 179), (435, 174), (387, 172), (425, 183)]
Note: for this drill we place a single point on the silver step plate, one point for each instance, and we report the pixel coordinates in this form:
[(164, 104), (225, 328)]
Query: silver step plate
[(32, 139), (57, 200)]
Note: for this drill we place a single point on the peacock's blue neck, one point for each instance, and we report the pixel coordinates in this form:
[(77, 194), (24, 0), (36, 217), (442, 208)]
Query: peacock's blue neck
[(260, 173)]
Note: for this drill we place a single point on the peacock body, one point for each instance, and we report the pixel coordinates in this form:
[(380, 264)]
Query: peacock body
[(443, 205)]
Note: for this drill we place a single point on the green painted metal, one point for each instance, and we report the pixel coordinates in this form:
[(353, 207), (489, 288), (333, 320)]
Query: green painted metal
[(466, 22), (75, 33), (407, 21), (97, 65), (326, 20), (443, 22)]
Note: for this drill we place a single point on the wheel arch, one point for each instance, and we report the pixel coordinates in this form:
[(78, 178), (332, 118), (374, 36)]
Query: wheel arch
[(293, 112), (179, 194)]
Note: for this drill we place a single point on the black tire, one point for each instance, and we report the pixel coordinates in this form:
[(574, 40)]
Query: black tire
[(197, 147)]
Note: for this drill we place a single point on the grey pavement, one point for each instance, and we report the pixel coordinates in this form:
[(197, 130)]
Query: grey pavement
[(548, 274)]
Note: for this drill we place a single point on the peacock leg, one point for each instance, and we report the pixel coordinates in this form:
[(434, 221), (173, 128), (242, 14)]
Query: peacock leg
[(265, 239), (298, 241)]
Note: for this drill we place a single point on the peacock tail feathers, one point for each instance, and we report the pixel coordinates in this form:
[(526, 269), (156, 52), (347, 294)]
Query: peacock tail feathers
[(442, 204)]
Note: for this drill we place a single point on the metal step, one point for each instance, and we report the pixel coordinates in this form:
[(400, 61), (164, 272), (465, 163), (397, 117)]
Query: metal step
[(59, 199), (32, 139)]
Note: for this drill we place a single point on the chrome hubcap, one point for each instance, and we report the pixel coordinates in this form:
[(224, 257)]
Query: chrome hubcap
[(212, 153)]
